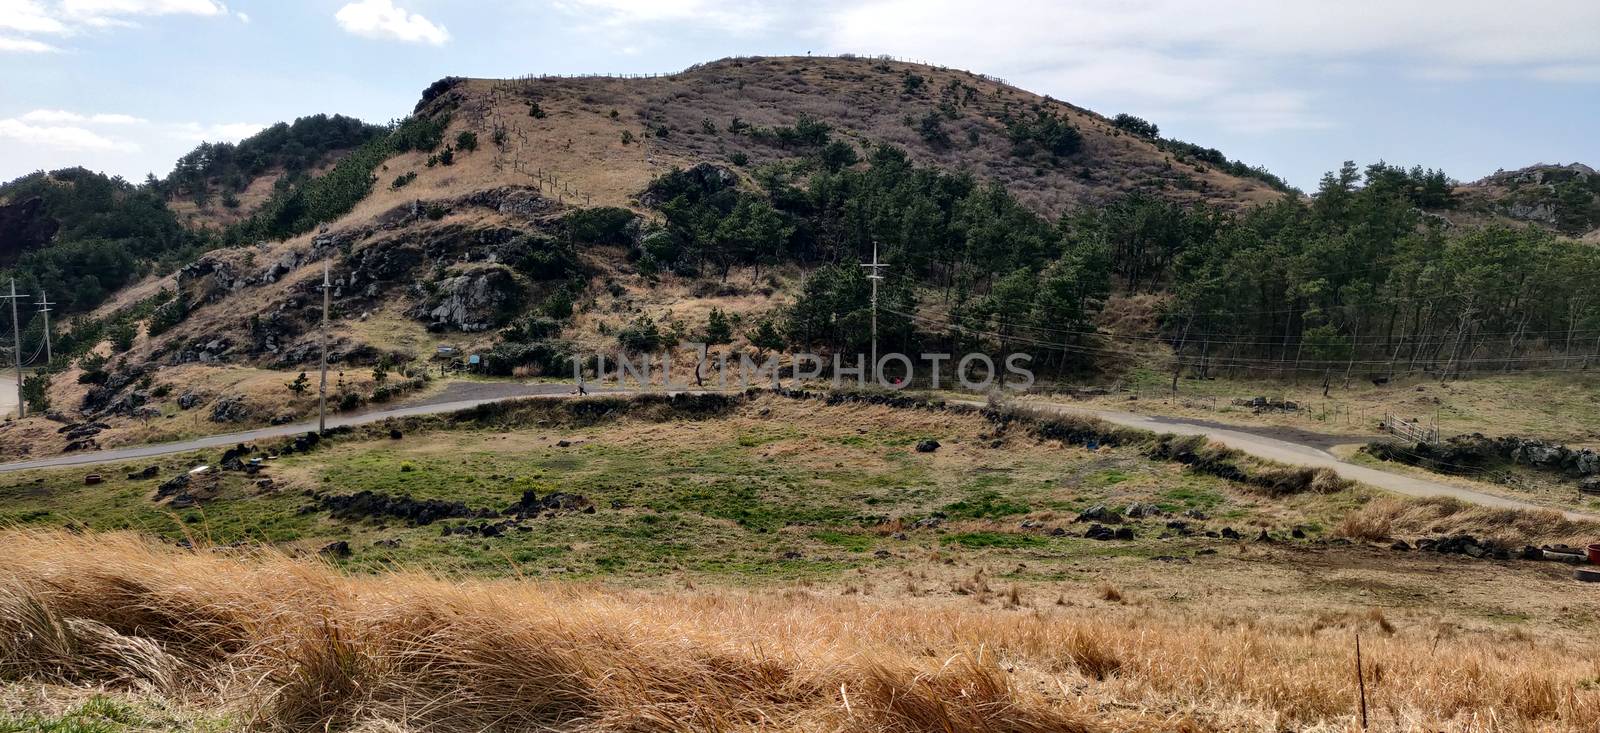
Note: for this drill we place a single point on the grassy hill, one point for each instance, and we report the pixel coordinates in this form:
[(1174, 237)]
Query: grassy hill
[(532, 219)]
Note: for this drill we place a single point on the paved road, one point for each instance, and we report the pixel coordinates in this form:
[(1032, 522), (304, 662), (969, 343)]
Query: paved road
[(457, 396), (464, 395), (1300, 454)]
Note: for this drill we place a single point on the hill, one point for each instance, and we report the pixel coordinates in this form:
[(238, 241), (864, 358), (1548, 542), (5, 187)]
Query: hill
[(1564, 198), (532, 220), (735, 109)]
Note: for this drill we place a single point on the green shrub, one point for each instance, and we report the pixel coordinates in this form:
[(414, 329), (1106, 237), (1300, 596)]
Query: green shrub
[(600, 225)]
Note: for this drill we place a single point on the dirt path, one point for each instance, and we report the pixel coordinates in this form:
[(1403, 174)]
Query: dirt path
[(1288, 450)]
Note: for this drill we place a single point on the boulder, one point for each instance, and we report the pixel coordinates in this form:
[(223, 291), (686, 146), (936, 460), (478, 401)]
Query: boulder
[(230, 409), (1099, 513), (1099, 532), (1137, 510)]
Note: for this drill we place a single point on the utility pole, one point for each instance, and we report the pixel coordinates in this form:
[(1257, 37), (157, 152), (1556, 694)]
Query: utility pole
[(16, 333), (322, 389), (44, 310), (875, 277)]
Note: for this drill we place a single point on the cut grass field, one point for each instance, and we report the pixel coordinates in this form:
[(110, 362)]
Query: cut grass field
[(762, 566)]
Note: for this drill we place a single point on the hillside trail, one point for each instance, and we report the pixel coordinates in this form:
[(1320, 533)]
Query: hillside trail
[(1298, 448), (1294, 448)]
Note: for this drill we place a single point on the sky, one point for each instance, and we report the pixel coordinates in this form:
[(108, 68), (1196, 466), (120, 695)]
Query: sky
[(1470, 86)]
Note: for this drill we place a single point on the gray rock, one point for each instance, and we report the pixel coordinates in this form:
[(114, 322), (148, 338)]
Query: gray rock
[(1099, 513), (230, 409), (473, 301)]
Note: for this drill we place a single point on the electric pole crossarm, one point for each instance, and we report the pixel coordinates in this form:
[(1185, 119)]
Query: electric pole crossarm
[(44, 310)]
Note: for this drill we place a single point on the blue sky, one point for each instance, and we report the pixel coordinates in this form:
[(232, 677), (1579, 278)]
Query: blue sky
[(127, 86)]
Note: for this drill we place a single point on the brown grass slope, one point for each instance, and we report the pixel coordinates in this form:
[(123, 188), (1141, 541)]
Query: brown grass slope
[(579, 144), (866, 101), (290, 645)]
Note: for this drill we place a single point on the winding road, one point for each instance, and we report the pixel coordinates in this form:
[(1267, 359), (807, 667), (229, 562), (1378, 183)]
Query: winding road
[(1295, 448), (455, 397), (1300, 452)]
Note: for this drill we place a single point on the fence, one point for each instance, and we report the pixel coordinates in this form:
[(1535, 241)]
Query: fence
[(519, 81), (1410, 432)]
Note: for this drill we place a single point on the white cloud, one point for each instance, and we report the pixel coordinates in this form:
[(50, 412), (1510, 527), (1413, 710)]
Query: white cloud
[(121, 144), (62, 137), (24, 45), (91, 10), (70, 17), (28, 16), (242, 16), (1248, 65), (1267, 111), (225, 132), (74, 131), (381, 19), (741, 17), (1569, 73), (61, 115)]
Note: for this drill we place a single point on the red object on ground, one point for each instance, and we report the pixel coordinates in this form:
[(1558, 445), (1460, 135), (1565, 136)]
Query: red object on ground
[(1594, 554)]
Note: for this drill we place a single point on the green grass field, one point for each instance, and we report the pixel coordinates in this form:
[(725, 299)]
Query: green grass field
[(750, 497)]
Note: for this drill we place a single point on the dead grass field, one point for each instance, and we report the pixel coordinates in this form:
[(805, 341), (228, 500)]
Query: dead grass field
[(677, 607), (293, 646)]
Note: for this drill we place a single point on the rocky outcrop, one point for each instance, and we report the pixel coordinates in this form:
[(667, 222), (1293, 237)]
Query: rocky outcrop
[(230, 409), (369, 505), (478, 299), (1475, 452)]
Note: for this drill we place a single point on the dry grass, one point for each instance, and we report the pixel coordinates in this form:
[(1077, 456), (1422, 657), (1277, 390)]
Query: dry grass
[(1387, 516), (294, 646)]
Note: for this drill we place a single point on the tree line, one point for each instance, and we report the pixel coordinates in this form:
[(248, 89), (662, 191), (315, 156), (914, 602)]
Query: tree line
[(293, 147), (1360, 278)]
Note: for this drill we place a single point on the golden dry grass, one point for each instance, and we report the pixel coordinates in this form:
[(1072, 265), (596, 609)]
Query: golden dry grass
[(291, 645), (1386, 516)]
